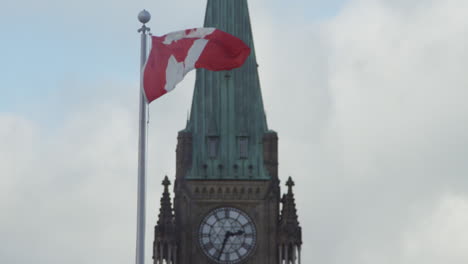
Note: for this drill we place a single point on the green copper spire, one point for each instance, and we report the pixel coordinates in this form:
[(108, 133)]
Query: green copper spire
[(227, 120)]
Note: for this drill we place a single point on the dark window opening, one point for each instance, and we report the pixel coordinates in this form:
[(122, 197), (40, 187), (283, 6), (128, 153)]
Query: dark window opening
[(213, 143), (243, 147)]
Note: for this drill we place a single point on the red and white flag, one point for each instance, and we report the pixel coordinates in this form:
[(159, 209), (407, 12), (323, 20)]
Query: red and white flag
[(173, 55)]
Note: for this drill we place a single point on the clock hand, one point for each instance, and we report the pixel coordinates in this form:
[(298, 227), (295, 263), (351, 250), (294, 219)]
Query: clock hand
[(226, 237), (238, 233)]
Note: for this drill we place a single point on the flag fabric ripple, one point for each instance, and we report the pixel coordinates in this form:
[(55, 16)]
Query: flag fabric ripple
[(173, 55)]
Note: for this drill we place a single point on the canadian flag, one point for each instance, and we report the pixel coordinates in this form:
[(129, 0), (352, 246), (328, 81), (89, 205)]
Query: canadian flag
[(173, 55)]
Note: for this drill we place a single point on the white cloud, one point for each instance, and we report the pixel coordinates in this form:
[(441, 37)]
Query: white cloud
[(62, 188), (442, 236), (374, 99), (394, 137)]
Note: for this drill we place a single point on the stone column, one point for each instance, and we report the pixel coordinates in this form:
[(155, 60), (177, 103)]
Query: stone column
[(299, 251), (280, 254), (293, 257), (161, 253), (169, 254), (155, 253)]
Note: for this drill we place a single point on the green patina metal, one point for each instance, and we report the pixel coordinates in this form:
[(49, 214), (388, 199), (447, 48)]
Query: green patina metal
[(227, 119)]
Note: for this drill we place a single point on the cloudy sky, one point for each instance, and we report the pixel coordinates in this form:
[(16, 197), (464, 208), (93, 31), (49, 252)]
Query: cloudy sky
[(368, 98)]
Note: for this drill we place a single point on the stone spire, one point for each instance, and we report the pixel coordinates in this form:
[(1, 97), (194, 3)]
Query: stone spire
[(290, 232), (227, 120), (289, 212), (166, 215), (165, 247)]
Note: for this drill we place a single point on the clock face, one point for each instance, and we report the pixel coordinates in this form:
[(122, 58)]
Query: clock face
[(227, 235)]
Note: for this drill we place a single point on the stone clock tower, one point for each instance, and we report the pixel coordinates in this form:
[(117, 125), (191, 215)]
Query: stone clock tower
[(228, 207)]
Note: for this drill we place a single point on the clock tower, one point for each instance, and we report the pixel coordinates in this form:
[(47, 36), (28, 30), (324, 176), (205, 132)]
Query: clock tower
[(227, 205)]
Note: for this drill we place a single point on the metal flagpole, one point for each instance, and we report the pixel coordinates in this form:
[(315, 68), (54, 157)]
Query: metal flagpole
[(144, 16)]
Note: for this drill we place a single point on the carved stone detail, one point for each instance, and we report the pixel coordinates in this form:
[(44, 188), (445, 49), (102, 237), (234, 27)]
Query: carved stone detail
[(235, 190)]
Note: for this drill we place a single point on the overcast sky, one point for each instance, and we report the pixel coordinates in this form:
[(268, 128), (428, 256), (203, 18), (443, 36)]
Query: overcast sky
[(368, 98)]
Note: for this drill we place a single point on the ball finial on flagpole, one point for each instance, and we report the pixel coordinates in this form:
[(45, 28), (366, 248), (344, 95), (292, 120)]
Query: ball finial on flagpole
[(144, 16)]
